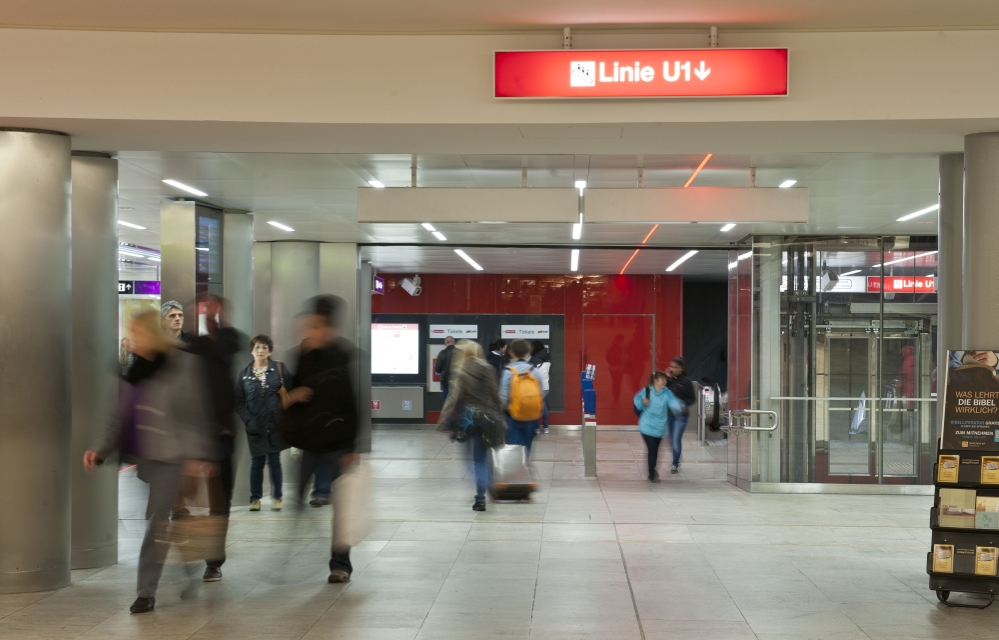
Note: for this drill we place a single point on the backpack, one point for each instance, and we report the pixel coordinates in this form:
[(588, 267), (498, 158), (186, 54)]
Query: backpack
[(526, 399), (320, 424), (638, 412)]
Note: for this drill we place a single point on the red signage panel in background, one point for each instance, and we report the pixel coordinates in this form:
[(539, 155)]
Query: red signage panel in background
[(902, 284), (640, 73)]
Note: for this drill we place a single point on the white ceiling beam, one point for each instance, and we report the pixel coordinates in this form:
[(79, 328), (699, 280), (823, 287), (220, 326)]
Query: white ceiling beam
[(441, 205), (698, 204)]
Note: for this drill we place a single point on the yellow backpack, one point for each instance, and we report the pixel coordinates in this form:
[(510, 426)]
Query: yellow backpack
[(526, 399)]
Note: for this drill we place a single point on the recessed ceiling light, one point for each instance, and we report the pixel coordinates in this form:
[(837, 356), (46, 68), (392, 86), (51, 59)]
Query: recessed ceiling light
[(577, 231), (580, 184), (464, 256), (918, 213), (201, 248), (184, 187), (129, 224), (683, 258), (788, 183), (428, 226), (440, 236), (282, 227), (574, 261), (376, 184), (492, 221), (728, 227)]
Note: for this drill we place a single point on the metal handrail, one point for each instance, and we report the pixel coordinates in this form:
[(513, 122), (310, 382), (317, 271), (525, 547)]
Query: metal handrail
[(744, 418), (818, 398)]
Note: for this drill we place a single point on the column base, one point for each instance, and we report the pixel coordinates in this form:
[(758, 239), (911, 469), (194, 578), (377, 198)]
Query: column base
[(32, 581), (95, 558)]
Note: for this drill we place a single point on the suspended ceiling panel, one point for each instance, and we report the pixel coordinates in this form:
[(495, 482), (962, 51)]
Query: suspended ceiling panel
[(433, 204), (698, 204)]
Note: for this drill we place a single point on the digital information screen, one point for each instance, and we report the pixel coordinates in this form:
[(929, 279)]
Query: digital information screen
[(395, 349)]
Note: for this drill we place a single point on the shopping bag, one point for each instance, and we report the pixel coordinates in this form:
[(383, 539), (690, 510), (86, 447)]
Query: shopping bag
[(352, 506)]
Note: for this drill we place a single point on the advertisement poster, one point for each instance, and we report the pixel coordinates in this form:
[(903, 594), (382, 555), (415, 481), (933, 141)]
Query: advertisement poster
[(395, 348), (971, 401), (433, 380), (526, 331)]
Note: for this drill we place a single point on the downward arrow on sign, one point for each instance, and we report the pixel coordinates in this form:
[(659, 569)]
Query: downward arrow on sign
[(702, 73)]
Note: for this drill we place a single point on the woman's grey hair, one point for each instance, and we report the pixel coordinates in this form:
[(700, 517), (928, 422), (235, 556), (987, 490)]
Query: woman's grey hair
[(172, 304)]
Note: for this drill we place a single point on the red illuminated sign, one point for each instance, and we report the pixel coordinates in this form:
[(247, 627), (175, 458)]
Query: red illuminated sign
[(376, 405), (902, 284), (640, 73)]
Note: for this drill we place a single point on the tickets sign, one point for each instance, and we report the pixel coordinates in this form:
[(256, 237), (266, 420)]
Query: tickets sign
[(526, 331), (640, 73), (902, 284), (457, 331)]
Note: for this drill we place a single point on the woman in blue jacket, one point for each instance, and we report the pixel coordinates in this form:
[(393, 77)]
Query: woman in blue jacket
[(653, 404)]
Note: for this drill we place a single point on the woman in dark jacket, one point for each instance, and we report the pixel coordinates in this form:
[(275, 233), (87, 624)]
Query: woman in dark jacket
[(258, 403)]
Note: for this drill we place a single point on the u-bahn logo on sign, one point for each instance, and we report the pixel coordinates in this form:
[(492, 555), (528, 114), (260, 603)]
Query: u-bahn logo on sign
[(582, 74)]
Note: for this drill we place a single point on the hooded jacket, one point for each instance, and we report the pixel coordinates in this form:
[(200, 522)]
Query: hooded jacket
[(652, 421)]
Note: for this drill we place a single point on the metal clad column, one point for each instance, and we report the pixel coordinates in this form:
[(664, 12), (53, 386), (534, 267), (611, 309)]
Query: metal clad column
[(294, 279), (36, 342), (364, 360), (237, 287), (950, 265), (981, 229), (262, 287), (95, 333), (178, 238), (768, 253)]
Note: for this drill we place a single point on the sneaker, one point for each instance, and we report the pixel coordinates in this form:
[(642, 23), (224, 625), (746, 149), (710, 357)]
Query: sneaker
[(537, 431), (254, 505), (675, 469), (545, 429), (480, 505), (319, 502), (213, 574), (338, 575), (654, 477), (143, 605), (275, 504)]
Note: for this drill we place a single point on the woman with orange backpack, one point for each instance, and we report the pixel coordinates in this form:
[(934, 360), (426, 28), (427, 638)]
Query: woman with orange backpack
[(521, 395)]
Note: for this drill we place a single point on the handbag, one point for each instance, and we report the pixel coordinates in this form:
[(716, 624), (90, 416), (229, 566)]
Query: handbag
[(352, 506)]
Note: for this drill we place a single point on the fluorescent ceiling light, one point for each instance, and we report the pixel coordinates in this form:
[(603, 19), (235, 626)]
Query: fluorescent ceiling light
[(574, 262), (428, 226), (918, 213), (728, 227), (155, 259), (741, 257), (492, 221), (577, 231), (440, 236), (580, 184), (201, 248), (282, 227), (464, 256), (683, 258), (918, 255), (849, 273), (129, 224), (376, 184), (132, 253), (788, 183), (184, 187)]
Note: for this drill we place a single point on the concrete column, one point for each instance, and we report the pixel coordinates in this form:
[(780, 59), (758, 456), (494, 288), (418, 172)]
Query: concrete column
[(178, 238), (36, 342), (364, 360), (262, 287), (95, 337), (294, 279), (981, 229), (950, 265), (237, 288)]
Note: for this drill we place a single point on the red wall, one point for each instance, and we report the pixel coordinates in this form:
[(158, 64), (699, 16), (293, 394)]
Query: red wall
[(573, 296)]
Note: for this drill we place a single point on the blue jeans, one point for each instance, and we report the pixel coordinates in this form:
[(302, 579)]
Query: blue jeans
[(444, 392), (520, 432), (322, 481), (480, 465), (675, 425), (273, 461), (544, 416), (326, 465)]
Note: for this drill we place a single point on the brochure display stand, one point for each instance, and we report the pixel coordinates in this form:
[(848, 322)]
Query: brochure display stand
[(965, 514)]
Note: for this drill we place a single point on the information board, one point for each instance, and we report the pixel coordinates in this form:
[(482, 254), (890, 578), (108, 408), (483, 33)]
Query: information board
[(395, 348)]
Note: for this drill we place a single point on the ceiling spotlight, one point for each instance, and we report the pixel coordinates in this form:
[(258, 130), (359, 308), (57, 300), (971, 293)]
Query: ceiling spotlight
[(440, 236), (428, 226), (130, 225), (282, 227), (464, 256), (184, 187), (728, 227), (577, 231), (376, 184), (683, 258), (918, 213), (788, 183), (574, 261)]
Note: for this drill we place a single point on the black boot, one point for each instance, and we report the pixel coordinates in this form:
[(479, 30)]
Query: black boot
[(143, 605), (480, 505)]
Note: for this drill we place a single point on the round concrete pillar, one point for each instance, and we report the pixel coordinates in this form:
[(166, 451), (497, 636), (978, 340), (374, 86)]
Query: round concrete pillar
[(981, 228), (294, 279), (95, 354), (35, 340)]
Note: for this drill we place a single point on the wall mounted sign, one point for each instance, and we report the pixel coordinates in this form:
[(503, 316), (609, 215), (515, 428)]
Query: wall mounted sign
[(125, 287), (526, 331), (903, 284), (377, 285), (139, 287), (640, 73), (458, 331)]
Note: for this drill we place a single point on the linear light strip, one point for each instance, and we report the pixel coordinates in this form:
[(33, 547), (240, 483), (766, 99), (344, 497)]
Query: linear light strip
[(698, 170), (282, 227), (628, 262), (918, 255), (650, 234), (464, 256), (574, 261), (184, 187), (918, 213), (131, 225), (681, 260)]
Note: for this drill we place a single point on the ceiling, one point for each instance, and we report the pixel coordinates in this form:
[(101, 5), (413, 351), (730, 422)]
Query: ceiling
[(455, 16), (316, 194)]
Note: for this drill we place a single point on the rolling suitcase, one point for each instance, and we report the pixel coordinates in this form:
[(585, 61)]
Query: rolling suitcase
[(510, 476)]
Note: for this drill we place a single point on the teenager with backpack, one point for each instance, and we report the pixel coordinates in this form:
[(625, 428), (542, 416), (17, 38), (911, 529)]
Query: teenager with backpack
[(321, 417), (521, 395), (653, 405)]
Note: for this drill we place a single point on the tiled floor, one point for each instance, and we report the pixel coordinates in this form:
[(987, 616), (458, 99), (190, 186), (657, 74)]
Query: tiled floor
[(617, 558)]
